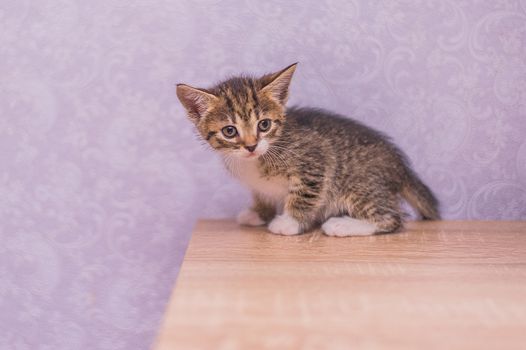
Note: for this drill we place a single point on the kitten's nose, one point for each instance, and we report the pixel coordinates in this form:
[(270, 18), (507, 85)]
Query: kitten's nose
[(251, 148)]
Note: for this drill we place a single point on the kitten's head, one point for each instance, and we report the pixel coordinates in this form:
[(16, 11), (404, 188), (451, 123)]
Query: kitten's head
[(242, 116)]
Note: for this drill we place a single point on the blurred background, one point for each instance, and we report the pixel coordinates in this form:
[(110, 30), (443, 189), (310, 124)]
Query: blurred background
[(102, 179)]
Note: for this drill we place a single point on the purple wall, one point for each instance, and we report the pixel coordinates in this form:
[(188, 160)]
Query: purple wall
[(101, 177)]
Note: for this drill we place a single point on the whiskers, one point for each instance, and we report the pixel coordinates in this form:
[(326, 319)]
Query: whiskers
[(278, 156), (274, 159), (286, 147), (232, 164)]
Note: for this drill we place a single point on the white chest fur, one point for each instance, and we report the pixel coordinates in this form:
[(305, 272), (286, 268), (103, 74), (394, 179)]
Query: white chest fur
[(272, 189)]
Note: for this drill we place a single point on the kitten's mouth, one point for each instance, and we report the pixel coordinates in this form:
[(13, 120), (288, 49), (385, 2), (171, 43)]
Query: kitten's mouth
[(251, 156)]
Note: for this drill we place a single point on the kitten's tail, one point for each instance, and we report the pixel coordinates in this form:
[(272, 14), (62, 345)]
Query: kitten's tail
[(420, 197)]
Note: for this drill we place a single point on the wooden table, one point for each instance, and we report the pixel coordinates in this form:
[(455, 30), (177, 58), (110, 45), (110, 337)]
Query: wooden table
[(447, 285)]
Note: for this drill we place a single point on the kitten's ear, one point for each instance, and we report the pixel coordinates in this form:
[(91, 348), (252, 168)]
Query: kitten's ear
[(195, 101), (277, 84)]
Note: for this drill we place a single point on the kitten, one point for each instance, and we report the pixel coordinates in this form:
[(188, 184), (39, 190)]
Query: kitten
[(305, 166)]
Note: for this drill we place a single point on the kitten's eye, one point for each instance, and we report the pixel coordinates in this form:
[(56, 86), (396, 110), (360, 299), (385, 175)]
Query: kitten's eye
[(229, 131), (264, 125)]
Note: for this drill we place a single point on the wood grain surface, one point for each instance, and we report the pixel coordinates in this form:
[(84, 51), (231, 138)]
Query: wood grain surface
[(436, 285)]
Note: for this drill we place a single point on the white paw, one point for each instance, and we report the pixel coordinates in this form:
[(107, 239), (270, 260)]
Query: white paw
[(347, 226), (284, 225), (249, 217)]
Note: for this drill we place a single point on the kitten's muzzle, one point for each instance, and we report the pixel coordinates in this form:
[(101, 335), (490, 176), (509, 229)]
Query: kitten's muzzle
[(251, 148)]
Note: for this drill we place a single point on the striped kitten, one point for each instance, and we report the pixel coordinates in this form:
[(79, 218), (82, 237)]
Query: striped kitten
[(305, 166)]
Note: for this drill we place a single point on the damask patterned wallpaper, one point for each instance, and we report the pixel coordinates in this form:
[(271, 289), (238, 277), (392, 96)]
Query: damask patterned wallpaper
[(101, 177)]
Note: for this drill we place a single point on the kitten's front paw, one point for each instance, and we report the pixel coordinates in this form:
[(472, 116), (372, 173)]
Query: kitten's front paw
[(284, 225), (249, 217)]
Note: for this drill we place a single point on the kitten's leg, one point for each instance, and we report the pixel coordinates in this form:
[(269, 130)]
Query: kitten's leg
[(381, 208), (301, 205), (259, 214), (376, 212)]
